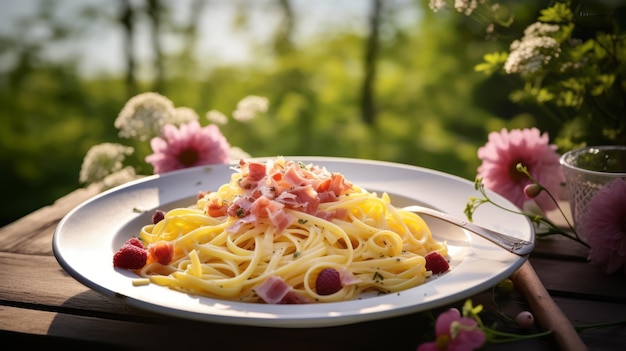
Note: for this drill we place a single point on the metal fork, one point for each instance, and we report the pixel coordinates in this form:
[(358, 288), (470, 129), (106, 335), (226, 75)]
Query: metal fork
[(512, 244)]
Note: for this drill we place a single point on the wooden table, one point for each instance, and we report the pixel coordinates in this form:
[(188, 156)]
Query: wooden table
[(41, 305)]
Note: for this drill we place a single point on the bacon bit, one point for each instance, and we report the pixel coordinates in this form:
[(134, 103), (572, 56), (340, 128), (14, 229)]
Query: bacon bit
[(307, 199), (294, 176), (240, 207), (281, 219), (162, 252), (256, 171), (323, 186), (271, 188), (327, 196), (216, 208), (347, 278), (272, 290), (339, 184), (340, 213)]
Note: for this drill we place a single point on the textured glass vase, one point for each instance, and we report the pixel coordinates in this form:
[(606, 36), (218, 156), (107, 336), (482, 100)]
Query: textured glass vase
[(588, 170)]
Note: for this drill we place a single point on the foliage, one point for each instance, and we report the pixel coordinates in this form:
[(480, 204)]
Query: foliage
[(428, 111), (570, 64)]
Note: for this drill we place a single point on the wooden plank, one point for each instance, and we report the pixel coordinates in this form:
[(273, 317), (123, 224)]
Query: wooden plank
[(40, 281), (593, 312), (56, 304), (407, 333), (41, 299), (561, 248), (175, 333), (32, 234), (32, 323), (579, 279)]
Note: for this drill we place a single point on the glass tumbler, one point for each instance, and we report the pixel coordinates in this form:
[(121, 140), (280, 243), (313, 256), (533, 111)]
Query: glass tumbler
[(588, 170)]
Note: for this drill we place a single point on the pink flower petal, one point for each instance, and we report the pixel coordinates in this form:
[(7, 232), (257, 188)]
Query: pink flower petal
[(465, 337), (604, 226), (445, 319), (188, 146), (505, 149), (428, 346)]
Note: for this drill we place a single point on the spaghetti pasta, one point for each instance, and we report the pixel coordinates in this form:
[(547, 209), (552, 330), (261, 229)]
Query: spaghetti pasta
[(287, 220)]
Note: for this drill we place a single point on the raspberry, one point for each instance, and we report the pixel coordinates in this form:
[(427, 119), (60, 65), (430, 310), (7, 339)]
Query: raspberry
[(158, 216), (130, 257), (328, 282), (436, 263), (134, 241)]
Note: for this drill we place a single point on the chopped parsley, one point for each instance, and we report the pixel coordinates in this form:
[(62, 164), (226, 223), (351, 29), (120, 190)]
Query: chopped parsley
[(378, 276), (240, 212)]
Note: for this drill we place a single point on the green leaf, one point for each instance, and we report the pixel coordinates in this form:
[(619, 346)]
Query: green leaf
[(602, 82), (569, 98), (493, 62), (564, 33), (544, 95), (559, 13), (579, 51)]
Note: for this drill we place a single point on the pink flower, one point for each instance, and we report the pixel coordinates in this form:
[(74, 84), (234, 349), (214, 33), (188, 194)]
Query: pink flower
[(505, 150), (189, 146), (604, 226), (455, 333)]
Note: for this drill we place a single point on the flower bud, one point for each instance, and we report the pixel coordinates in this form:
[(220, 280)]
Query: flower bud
[(532, 190), (525, 320)]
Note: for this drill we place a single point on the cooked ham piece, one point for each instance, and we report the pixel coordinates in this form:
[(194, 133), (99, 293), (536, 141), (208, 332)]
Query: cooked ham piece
[(347, 278), (269, 189), (274, 290)]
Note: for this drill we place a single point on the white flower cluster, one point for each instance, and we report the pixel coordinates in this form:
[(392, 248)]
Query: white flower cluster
[(183, 115), (437, 5), (536, 49), (466, 7), (249, 107), (103, 162), (216, 117), (143, 118), (120, 177), (144, 115)]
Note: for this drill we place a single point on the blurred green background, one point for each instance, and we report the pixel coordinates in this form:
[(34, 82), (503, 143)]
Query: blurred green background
[(386, 80)]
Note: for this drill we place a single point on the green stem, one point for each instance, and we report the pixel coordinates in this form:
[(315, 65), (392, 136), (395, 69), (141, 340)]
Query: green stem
[(587, 327), (502, 337), (553, 228)]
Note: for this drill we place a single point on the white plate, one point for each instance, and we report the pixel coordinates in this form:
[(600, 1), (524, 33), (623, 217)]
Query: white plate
[(86, 239)]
